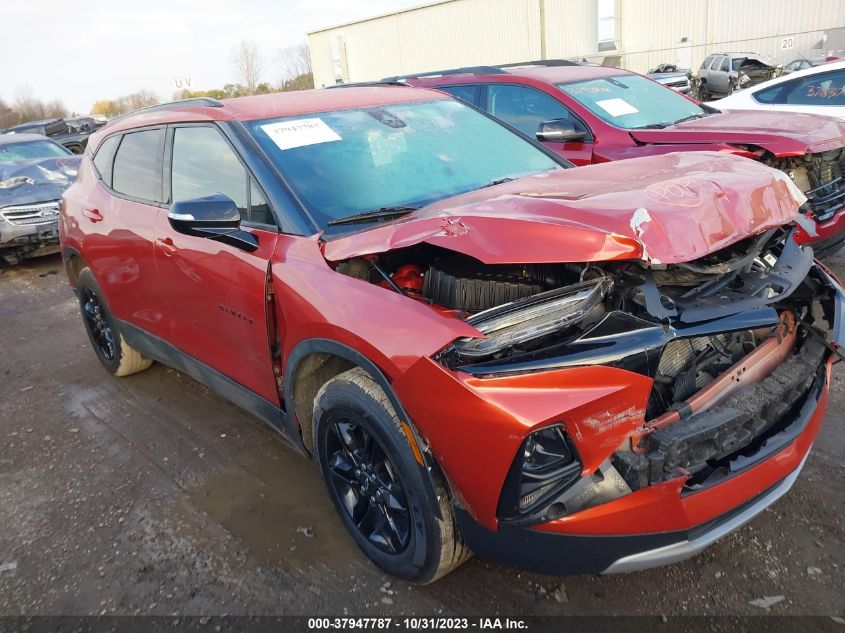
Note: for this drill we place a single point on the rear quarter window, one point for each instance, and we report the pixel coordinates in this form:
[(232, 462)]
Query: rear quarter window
[(104, 158), (464, 93)]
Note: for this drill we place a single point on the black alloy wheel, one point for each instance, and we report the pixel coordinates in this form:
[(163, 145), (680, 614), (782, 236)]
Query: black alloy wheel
[(367, 483), (98, 325)]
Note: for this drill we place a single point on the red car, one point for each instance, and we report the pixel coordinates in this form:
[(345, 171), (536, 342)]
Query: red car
[(571, 370), (591, 114)]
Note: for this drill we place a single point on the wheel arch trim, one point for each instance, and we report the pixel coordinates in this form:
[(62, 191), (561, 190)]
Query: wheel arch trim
[(327, 346)]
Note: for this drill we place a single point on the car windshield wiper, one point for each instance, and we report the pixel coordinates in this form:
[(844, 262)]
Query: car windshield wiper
[(699, 115), (493, 183), (379, 214), (652, 126)]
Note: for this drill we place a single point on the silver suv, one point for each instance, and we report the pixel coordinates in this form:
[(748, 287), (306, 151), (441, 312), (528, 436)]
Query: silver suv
[(722, 74)]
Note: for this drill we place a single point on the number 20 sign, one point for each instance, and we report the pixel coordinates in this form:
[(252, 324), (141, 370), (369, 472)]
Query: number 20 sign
[(786, 43)]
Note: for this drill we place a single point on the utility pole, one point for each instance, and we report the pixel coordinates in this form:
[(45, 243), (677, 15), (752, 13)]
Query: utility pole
[(542, 4)]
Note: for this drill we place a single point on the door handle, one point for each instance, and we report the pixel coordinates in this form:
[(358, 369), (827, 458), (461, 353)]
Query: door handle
[(93, 214), (166, 246)]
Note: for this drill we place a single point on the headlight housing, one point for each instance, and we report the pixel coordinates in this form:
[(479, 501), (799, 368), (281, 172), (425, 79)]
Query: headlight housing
[(531, 318)]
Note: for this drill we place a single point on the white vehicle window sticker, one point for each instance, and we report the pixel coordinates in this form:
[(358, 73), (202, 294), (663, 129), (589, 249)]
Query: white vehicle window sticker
[(300, 132), (616, 107)]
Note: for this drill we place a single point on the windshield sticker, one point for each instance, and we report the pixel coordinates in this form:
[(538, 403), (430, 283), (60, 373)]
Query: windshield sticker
[(590, 90), (299, 133), (616, 107)]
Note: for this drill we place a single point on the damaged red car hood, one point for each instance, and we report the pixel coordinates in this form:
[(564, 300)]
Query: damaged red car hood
[(664, 209), (783, 134)]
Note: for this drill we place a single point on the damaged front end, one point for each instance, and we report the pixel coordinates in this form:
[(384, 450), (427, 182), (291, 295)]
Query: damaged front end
[(735, 344), (30, 192), (821, 178), (753, 70)]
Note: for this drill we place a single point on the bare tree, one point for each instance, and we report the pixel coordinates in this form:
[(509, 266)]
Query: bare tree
[(247, 63), (295, 62), (26, 107), (7, 115)]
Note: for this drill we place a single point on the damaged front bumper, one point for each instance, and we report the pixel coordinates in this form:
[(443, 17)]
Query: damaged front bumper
[(690, 474), (29, 229)]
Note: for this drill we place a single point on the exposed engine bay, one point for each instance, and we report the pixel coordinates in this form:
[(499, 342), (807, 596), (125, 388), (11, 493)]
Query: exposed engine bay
[(734, 342), (820, 177)]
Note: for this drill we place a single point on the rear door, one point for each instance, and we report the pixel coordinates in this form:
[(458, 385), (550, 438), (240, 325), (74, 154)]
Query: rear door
[(720, 75), (216, 293), (119, 218), (525, 108)]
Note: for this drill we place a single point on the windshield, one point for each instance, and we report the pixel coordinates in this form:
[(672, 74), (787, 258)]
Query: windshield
[(31, 150), (347, 162), (632, 101)]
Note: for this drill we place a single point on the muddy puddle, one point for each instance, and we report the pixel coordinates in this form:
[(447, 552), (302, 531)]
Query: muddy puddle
[(276, 505)]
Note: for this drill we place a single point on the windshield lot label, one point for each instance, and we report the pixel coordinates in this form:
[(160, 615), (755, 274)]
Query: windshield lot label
[(301, 132), (616, 107)]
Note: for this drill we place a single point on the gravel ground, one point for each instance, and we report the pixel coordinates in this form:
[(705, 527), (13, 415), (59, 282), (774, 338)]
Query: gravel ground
[(150, 495)]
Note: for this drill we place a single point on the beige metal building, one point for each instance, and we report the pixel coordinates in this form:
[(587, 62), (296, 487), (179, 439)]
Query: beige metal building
[(634, 34)]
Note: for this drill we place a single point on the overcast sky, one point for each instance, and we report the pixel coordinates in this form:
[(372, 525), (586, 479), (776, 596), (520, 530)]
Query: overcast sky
[(97, 49)]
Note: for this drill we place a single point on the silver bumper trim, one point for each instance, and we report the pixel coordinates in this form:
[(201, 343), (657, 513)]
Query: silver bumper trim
[(686, 549)]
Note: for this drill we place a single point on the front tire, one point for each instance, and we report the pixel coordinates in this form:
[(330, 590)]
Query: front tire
[(116, 355), (703, 92), (377, 485)]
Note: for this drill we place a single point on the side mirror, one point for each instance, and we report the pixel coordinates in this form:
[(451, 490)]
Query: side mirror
[(559, 131), (215, 217)]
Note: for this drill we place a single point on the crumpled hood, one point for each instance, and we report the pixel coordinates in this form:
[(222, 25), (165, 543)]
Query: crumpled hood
[(38, 180), (780, 133), (665, 209), (765, 60)]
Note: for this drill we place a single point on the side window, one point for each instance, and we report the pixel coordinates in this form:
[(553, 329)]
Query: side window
[(726, 65), (716, 63), (203, 163), (824, 89), (525, 108), (464, 93), (105, 157), (706, 63), (137, 170)]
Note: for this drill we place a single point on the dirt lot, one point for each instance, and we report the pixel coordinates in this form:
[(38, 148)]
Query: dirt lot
[(151, 495)]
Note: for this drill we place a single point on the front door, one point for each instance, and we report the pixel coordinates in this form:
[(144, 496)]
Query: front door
[(215, 294), (526, 108)]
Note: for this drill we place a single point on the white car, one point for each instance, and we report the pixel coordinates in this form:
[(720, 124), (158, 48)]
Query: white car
[(815, 90)]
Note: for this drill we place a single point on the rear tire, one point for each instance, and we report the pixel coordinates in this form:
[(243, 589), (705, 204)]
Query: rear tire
[(377, 485), (116, 355)]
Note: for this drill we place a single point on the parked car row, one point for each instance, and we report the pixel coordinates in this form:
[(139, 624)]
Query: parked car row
[(484, 348), (71, 133), (592, 114)]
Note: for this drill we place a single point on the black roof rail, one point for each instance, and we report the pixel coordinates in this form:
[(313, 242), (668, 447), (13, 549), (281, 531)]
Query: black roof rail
[(468, 70), (369, 84), (543, 62), (208, 102)]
